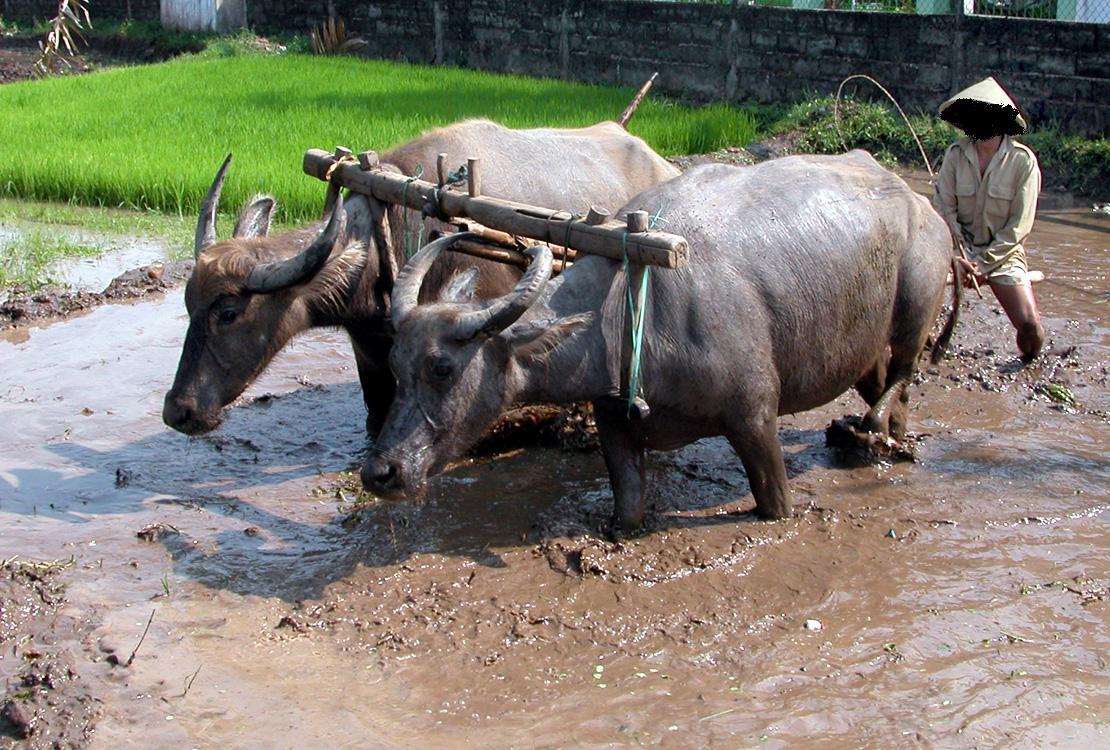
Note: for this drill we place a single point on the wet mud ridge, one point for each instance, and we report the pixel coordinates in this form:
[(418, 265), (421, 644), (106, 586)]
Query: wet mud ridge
[(50, 303)]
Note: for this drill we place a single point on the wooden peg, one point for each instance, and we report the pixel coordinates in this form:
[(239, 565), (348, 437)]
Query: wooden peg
[(473, 178), (368, 160), (637, 222), (342, 152), (441, 169), (597, 216)]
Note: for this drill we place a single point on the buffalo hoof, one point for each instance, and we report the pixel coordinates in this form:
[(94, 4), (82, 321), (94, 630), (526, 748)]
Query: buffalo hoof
[(775, 512), (849, 436)]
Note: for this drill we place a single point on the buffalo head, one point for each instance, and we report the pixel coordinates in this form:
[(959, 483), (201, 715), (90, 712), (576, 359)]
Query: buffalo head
[(457, 363), (245, 299)]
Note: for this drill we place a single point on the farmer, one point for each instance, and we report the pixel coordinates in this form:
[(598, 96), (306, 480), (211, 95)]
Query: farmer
[(987, 191)]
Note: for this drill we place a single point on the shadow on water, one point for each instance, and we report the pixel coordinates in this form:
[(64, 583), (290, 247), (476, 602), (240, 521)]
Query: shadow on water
[(256, 504), (257, 508)]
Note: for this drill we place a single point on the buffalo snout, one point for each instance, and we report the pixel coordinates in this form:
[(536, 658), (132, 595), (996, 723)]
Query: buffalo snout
[(382, 478), (181, 413)]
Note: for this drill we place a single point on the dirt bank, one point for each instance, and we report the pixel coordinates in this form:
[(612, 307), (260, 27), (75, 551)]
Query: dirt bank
[(24, 307), (19, 53)]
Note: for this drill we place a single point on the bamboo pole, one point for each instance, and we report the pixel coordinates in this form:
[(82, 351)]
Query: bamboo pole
[(632, 105), (609, 238)]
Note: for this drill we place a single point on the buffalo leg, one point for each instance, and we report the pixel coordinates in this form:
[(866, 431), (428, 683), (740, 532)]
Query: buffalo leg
[(378, 388), (756, 442), (624, 458), (871, 388), (888, 413)]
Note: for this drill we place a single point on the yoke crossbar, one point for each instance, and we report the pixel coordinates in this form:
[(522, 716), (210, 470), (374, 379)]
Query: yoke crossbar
[(499, 221)]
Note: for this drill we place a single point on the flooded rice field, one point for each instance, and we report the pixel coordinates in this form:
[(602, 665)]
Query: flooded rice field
[(223, 592)]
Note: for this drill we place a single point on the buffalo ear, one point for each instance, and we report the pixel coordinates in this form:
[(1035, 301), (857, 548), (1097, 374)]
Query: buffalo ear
[(461, 287), (536, 339), (254, 219)]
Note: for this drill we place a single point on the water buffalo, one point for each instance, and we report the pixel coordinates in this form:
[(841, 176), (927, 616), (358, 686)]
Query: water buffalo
[(807, 275), (250, 295)]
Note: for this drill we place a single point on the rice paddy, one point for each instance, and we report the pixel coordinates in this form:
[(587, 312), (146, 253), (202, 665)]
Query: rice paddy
[(151, 137), (26, 259)]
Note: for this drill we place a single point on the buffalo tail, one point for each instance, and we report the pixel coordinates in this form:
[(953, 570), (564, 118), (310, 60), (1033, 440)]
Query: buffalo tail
[(953, 315)]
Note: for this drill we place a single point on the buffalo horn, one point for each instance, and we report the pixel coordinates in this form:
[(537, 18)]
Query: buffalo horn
[(406, 290), (504, 311), (280, 274), (206, 224)]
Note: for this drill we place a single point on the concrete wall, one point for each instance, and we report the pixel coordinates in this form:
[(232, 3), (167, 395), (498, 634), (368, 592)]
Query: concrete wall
[(204, 15), (709, 52)]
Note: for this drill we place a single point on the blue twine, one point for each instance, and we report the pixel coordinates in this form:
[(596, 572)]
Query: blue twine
[(637, 315), (409, 249)]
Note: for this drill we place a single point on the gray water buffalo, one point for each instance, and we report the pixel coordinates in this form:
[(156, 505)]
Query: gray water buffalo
[(250, 295), (807, 275)]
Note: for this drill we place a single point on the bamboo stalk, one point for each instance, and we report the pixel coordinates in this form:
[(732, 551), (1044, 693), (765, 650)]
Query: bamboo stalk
[(610, 238), (632, 105)]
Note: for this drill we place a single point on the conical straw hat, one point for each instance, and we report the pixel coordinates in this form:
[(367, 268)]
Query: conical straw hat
[(985, 104)]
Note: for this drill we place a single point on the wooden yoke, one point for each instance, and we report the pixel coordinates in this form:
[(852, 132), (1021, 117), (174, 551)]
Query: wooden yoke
[(594, 234)]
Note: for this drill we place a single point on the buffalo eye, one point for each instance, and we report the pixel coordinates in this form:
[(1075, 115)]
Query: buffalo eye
[(442, 367), (227, 315)]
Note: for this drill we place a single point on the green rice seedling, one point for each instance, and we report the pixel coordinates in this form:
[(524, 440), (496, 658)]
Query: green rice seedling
[(25, 259), (151, 137), (176, 232)]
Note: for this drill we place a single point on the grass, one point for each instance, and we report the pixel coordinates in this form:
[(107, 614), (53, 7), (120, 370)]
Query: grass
[(171, 227), (152, 137), (26, 259), (1083, 164), (46, 233)]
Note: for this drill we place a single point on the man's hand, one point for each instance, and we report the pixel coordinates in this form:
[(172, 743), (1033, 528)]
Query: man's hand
[(969, 272)]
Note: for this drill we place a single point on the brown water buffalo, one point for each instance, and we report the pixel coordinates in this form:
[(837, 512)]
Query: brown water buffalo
[(248, 296), (807, 276)]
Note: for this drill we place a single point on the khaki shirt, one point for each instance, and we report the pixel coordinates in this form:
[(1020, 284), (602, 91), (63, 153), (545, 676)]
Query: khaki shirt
[(992, 214)]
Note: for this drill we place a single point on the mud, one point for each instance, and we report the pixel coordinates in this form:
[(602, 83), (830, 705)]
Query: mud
[(955, 601), (19, 53), (44, 704), (23, 307)]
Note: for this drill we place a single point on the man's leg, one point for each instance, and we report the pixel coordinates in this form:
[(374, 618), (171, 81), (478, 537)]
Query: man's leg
[(1021, 307)]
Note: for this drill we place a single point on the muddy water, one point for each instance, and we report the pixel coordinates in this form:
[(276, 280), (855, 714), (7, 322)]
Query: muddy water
[(961, 599)]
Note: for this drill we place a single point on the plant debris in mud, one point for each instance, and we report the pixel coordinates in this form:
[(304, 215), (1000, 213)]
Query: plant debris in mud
[(24, 307), (153, 532), (44, 704)]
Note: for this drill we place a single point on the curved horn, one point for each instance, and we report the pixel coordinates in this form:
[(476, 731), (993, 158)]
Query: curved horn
[(206, 224), (280, 274), (406, 290), (504, 311)]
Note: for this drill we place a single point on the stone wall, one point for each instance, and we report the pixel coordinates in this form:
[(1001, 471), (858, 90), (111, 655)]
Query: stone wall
[(710, 52), (717, 52)]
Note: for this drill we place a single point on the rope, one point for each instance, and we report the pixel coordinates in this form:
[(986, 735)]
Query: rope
[(637, 316), (957, 244), (346, 159), (836, 117), (459, 175), (566, 241), (409, 249)]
